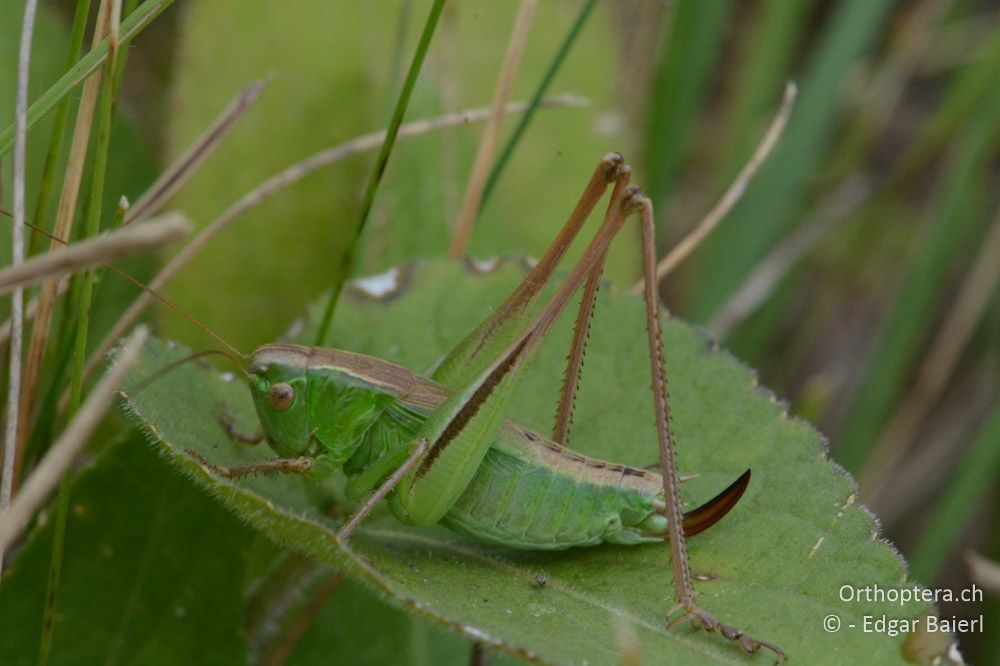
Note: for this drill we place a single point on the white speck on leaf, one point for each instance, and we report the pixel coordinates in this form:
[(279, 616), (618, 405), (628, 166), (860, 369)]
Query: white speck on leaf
[(487, 265), (379, 285)]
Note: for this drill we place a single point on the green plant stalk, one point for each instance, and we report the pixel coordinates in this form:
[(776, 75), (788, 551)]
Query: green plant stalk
[(680, 87), (93, 225), (44, 429), (944, 242), (398, 55), (128, 7), (761, 70), (770, 49), (91, 229), (47, 419), (347, 260), (52, 158), (751, 338), (132, 26), (55, 569), (957, 505), (536, 99)]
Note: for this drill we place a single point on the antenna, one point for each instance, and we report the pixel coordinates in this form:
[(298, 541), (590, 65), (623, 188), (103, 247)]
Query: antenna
[(161, 299), (187, 359)]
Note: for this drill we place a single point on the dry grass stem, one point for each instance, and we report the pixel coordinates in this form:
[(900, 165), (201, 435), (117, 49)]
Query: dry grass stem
[(275, 184), (914, 39), (106, 248), (487, 145), (939, 363), (958, 44), (628, 642), (732, 195), (81, 140), (61, 231), (280, 650), (64, 450), (923, 471), (196, 154), (983, 571), (761, 282), (17, 302), (29, 312)]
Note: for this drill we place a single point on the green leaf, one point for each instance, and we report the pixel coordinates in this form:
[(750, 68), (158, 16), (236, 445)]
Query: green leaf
[(302, 612), (152, 572), (356, 627), (774, 567), (156, 572)]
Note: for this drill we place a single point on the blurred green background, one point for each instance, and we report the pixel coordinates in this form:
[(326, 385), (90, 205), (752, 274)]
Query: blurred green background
[(858, 274)]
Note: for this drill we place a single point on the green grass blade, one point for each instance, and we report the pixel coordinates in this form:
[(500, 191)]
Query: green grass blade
[(680, 87), (976, 475), (951, 232), (536, 99), (55, 569), (759, 76), (59, 128), (778, 191), (92, 228), (132, 26), (347, 260), (93, 222), (168, 543), (398, 59), (128, 8)]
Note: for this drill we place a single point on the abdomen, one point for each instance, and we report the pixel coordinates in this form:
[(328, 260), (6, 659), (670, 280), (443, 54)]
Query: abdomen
[(517, 502)]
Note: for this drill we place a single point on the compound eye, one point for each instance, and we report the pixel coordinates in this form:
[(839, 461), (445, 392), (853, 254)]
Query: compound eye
[(281, 396)]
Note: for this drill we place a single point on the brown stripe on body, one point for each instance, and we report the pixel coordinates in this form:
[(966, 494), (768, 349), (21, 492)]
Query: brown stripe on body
[(469, 409), (423, 395)]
